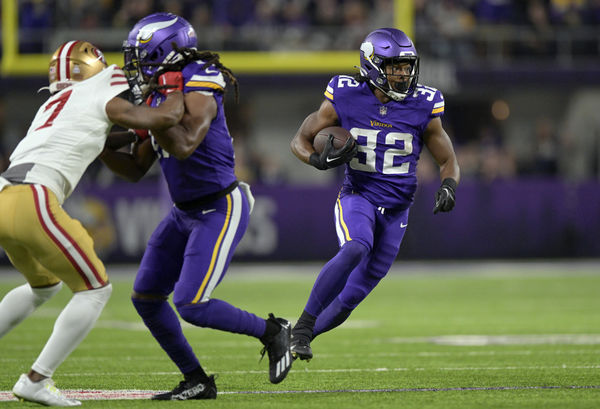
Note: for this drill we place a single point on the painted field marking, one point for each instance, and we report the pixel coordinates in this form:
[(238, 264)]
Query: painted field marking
[(126, 394), (500, 339), (433, 354), (348, 370)]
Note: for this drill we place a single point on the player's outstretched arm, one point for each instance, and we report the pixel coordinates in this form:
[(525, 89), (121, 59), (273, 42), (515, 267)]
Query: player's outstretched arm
[(302, 143), (127, 115), (439, 144)]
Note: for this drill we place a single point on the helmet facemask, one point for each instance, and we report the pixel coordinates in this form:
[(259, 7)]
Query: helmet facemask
[(133, 72), (401, 75)]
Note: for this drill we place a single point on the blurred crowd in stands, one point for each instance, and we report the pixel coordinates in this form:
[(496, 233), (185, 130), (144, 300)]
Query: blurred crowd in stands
[(495, 31), (508, 29), (222, 24), (329, 24)]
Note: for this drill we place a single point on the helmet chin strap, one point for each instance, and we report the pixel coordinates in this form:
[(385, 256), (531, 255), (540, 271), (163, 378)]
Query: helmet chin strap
[(57, 86), (396, 96)]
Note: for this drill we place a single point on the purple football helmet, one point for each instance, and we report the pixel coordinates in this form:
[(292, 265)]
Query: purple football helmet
[(389, 46), (149, 45)]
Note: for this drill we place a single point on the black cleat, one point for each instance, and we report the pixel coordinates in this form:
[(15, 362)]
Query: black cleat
[(300, 347), (192, 389), (278, 348)]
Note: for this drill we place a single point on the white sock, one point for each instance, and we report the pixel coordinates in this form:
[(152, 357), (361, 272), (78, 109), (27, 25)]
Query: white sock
[(72, 325), (20, 302)]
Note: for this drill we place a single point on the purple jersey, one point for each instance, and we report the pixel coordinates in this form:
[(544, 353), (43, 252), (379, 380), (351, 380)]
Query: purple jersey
[(389, 139), (210, 168)]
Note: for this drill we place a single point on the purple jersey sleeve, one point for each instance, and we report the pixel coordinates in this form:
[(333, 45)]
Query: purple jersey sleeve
[(431, 102), (329, 91), (336, 92)]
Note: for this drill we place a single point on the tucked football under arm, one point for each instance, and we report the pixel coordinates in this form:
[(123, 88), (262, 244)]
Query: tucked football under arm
[(302, 143)]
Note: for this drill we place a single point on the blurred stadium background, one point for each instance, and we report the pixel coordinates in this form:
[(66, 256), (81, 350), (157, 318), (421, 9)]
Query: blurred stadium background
[(521, 81)]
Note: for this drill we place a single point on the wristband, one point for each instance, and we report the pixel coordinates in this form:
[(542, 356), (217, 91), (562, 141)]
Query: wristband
[(451, 183), (315, 160)]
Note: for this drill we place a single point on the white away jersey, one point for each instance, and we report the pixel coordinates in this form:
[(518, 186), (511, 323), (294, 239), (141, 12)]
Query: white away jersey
[(69, 131)]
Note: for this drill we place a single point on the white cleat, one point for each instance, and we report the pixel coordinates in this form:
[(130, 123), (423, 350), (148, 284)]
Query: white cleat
[(43, 392)]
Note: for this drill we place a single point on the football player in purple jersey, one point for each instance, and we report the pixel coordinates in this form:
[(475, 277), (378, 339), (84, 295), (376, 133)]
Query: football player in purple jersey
[(189, 252), (391, 117)]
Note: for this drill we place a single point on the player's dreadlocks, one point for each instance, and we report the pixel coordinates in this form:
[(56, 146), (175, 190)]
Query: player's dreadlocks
[(190, 55)]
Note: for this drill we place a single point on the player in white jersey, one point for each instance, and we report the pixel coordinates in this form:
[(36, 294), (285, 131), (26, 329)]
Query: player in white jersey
[(41, 240)]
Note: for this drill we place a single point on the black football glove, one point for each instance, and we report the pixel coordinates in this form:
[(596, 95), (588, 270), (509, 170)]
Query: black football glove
[(330, 157), (445, 197)]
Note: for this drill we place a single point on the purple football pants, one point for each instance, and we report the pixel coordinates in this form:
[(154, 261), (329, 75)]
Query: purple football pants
[(369, 239), (188, 255)]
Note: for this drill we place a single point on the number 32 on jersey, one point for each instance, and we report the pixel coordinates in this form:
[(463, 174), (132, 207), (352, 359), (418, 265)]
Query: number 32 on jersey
[(387, 158)]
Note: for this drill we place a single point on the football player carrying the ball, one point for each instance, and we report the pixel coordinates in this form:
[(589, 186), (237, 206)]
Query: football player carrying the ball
[(189, 252), (42, 241), (391, 117)]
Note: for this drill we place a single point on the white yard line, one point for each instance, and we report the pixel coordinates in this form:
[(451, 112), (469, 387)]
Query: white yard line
[(482, 340), (347, 370), (147, 394), (282, 272), (424, 354)]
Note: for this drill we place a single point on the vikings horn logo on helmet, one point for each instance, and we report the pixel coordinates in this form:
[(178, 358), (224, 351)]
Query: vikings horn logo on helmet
[(147, 31)]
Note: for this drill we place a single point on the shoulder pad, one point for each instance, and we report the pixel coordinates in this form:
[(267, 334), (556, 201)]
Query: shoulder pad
[(431, 97), (197, 77), (339, 82)]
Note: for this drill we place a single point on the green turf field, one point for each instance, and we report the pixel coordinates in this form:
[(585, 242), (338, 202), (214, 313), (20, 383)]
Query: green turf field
[(433, 336)]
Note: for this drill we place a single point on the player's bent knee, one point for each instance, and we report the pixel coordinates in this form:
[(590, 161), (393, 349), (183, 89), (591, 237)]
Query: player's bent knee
[(135, 296), (355, 249), (147, 305), (195, 313), (43, 294), (99, 295), (351, 296)]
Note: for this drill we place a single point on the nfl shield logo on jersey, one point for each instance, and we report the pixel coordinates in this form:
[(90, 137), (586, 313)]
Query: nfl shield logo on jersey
[(383, 110)]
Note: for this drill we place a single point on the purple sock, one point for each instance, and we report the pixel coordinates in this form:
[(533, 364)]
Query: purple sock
[(164, 325), (333, 276), (221, 315)]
